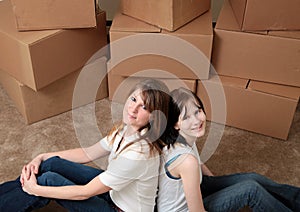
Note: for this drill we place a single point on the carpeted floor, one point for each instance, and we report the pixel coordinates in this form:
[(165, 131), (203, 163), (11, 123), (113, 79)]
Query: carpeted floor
[(238, 151)]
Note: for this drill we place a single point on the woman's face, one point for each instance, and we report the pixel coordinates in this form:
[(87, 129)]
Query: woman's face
[(192, 121), (135, 113)]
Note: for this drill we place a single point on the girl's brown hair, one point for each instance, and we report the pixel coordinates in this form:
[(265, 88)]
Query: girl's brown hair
[(155, 95)]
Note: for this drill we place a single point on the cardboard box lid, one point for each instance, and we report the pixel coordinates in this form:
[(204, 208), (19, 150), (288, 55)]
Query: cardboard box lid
[(198, 26), (229, 81), (275, 89), (286, 34), (124, 23), (49, 14), (267, 14), (227, 21), (167, 14), (7, 25)]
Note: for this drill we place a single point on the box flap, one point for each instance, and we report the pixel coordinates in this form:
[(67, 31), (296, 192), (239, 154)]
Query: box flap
[(226, 19), (238, 7), (8, 26), (198, 26), (275, 89), (286, 34), (229, 81), (125, 23)]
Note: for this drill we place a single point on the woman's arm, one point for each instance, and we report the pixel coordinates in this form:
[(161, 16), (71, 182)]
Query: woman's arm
[(190, 175), (205, 170), (78, 155), (72, 192)]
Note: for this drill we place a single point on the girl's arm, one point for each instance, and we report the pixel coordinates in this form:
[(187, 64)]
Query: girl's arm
[(205, 170), (72, 192), (78, 155), (190, 175)]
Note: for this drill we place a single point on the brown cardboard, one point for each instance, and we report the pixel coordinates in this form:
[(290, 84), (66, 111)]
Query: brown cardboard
[(267, 14), (166, 14), (55, 98), (118, 85), (49, 14), (193, 39), (260, 57), (260, 107), (38, 58), (286, 34)]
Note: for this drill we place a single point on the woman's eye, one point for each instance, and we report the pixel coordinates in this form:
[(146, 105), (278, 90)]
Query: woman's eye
[(185, 117), (132, 98), (144, 107)]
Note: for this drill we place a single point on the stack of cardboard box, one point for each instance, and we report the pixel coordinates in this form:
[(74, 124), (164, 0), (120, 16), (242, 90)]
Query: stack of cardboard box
[(160, 39), (256, 53), (38, 67)]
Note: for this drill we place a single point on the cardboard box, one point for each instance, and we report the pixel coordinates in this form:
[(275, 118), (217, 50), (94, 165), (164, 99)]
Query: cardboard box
[(57, 97), (260, 57), (185, 52), (38, 58), (260, 107), (49, 14), (267, 14), (118, 83), (166, 14)]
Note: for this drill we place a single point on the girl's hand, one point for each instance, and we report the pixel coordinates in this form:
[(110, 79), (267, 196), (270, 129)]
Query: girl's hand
[(29, 185), (32, 167)]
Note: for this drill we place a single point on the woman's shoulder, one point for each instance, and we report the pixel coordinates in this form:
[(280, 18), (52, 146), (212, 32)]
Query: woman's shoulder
[(177, 148)]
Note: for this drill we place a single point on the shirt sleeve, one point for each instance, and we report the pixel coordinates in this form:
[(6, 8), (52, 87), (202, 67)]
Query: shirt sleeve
[(105, 143)]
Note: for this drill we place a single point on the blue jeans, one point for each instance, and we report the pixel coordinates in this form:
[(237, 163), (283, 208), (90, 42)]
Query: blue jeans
[(233, 192), (13, 198), (59, 172)]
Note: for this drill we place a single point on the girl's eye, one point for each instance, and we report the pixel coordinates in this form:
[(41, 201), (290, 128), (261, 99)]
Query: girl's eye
[(132, 98), (144, 107), (185, 117)]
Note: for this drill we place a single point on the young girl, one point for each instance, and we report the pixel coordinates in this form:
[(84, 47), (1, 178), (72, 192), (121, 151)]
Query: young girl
[(179, 182), (130, 181)]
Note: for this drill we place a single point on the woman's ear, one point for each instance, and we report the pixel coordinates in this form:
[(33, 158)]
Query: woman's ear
[(177, 126)]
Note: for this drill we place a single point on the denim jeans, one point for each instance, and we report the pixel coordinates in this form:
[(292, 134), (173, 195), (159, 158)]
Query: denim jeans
[(233, 192), (13, 198), (59, 172)]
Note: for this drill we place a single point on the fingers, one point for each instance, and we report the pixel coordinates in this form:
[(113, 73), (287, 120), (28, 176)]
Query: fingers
[(36, 170)]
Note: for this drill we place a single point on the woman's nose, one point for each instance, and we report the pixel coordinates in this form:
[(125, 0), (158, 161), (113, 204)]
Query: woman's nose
[(133, 107)]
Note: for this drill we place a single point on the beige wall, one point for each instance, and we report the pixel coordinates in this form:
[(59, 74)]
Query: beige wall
[(216, 6), (110, 6)]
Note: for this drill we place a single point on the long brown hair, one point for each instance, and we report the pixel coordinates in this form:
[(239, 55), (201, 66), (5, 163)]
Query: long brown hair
[(155, 95), (179, 98)]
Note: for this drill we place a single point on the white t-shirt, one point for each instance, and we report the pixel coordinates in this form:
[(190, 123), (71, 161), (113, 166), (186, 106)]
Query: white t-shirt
[(132, 174), (171, 195)]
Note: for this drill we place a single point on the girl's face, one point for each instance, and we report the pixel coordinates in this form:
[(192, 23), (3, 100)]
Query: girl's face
[(192, 122), (135, 113)]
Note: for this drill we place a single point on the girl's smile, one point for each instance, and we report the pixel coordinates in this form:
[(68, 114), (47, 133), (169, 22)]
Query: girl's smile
[(135, 113), (192, 122)]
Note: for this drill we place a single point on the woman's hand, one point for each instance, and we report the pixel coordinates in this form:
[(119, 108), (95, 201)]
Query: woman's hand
[(29, 185), (31, 167)]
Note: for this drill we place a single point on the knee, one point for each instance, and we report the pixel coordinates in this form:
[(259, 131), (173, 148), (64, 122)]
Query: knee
[(47, 178), (47, 164), (252, 187), (255, 177)]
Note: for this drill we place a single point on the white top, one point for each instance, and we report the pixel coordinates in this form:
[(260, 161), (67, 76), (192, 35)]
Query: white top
[(132, 175), (171, 195)]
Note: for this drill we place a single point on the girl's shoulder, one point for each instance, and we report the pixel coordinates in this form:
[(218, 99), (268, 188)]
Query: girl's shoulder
[(177, 148), (180, 152)]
